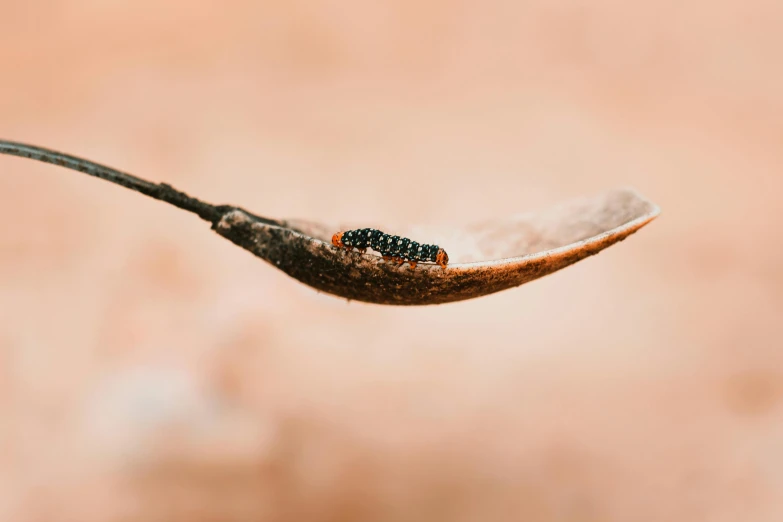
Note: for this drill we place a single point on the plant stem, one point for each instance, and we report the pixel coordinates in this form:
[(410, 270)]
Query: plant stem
[(161, 191)]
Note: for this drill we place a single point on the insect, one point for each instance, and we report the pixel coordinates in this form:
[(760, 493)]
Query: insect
[(395, 248)]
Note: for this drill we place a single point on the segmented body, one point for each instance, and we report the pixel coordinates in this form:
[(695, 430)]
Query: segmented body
[(396, 248)]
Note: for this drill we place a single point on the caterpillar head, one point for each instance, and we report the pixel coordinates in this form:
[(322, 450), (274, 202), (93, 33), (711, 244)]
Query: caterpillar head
[(337, 240), (442, 258)]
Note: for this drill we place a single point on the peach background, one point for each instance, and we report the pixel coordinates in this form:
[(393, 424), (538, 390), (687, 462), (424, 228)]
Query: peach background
[(150, 370)]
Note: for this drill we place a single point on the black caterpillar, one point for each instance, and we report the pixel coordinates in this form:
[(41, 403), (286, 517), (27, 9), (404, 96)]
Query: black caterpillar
[(395, 248)]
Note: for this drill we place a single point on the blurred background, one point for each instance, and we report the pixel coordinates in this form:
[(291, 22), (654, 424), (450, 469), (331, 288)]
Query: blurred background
[(150, 370)]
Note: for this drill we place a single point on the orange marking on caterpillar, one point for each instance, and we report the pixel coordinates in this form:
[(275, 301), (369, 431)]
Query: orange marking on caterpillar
[(337, 240), (442, 258)]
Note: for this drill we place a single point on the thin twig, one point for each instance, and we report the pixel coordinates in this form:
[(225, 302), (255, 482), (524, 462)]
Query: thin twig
[(161, 191)]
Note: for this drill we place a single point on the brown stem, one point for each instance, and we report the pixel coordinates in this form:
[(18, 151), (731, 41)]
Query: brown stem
[(161, 191)]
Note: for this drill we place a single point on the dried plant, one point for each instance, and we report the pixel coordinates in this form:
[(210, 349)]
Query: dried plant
[(485, 257)]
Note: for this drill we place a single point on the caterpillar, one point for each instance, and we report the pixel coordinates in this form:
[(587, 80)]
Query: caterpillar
[(395, 248)]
